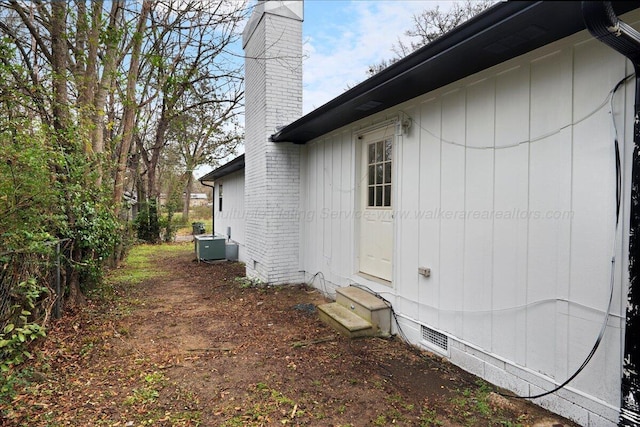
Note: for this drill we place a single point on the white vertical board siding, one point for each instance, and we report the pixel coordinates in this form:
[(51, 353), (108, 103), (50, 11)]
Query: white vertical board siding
[(549, 194), (510, 229), (335, 195), (328, 208), (548, 253), (347, 189), (310, 209), (452, 224), (327, 201), (593, 160), (428, 125), (233, 213), (406, 182), (478, 242), (505, 189)]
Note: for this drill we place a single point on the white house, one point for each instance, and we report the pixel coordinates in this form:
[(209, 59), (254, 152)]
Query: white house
[(228, 202), (474, 185)]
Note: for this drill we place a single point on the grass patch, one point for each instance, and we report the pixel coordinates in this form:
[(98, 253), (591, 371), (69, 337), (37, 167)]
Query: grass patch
[(140, 264), (155, 378), (185, 227), (429, 418), (264, 406), (144, 395), (149, 392), (248, 282), (473, 408)]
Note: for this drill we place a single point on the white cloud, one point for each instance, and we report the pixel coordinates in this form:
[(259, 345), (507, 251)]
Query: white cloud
[(339, 52)]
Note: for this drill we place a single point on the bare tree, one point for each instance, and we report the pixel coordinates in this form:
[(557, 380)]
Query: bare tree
[(192, 68), (60, 45), (78, 45), (98, 84), (428, 26), (205, 133), (188, 66), (130, 107)]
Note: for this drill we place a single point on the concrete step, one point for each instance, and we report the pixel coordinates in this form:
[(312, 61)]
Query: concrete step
[(345, 321), (366, 305)]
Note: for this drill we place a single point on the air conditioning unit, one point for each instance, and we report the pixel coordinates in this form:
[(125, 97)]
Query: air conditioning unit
[(210, 248)]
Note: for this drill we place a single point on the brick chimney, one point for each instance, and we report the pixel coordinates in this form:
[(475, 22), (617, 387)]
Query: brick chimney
[(272, 42)]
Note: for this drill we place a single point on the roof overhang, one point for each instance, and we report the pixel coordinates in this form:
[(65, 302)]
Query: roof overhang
[(502, 32), (224, 170)]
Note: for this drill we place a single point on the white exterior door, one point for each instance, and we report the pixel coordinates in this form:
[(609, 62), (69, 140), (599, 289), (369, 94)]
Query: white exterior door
[(376, 222)]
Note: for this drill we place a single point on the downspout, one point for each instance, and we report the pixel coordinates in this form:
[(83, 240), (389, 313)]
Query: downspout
[(602, 22), (213, 207)]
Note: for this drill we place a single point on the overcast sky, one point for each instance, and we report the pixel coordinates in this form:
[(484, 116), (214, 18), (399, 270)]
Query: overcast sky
[(342, 38)]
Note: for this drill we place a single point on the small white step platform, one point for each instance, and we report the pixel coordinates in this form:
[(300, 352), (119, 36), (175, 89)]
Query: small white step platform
[(357, 313)]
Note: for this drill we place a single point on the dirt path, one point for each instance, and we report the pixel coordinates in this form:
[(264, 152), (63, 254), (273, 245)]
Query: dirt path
[(187, 344)]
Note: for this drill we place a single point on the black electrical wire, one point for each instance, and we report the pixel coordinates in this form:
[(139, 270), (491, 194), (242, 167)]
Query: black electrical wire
[(613, 262), (617, 152), (388, 304), (589, 356), (611, 279), (324, 283)]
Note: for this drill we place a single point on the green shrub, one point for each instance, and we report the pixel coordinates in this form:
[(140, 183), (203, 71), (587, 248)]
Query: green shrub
[(147, 223), (22, 329)]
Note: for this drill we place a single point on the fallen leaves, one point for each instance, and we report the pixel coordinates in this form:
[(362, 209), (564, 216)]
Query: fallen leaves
[(196, 347)]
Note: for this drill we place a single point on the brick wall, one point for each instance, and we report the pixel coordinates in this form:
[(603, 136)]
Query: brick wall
[(273, 98)]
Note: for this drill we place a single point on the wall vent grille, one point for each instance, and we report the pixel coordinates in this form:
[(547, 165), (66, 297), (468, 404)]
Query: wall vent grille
[(435, 338)]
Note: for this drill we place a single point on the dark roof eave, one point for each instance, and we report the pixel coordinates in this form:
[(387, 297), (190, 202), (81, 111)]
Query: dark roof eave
[(500, 33), (224, 170)]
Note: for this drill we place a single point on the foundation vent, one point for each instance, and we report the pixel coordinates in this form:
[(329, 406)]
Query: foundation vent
[(435, 338)]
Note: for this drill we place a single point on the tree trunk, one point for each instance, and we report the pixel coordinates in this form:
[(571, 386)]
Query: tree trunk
[(62, 124), (130, 107), (75, 298), (161, 130), (187, 195), (59, 68), (85, 72), (104, 85)]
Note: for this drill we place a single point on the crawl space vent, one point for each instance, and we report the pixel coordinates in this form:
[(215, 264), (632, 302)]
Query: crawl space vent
[(435, 338)]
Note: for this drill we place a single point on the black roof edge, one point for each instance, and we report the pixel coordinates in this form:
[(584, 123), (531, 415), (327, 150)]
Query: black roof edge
[(469, 48), (224, 170)]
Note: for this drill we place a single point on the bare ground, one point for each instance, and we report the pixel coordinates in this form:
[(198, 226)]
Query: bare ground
[(196, 346)]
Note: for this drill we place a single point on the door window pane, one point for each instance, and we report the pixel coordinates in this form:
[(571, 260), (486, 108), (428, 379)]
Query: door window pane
[(387, 150), (379, 173)]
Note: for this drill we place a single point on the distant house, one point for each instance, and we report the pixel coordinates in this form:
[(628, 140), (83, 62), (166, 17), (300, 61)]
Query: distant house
[(198, 199), (473, 184)]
